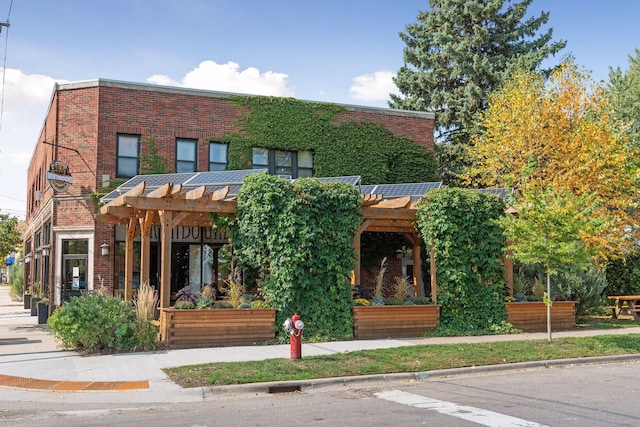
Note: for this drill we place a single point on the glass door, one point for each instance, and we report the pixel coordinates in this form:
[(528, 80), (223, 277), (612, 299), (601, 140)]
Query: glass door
[(75, 275)]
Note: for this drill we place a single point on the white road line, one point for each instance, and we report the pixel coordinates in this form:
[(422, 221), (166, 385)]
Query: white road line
[(469, 413)]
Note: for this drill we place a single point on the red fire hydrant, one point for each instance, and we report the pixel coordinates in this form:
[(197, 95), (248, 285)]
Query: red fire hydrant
[(294, 327)]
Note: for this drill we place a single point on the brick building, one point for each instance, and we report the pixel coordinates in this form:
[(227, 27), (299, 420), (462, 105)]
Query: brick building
[(92, 134)]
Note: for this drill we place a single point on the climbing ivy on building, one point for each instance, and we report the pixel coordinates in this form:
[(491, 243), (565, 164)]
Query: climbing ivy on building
[(461, 225), (300, 237), (339, 148)]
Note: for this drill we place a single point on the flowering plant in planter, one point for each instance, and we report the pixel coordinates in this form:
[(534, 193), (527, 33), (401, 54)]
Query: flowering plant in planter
[(185, 299), (379, 281)]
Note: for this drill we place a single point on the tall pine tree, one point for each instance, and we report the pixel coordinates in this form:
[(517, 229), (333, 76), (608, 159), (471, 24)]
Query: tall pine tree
[(624, 92), (457, 53)]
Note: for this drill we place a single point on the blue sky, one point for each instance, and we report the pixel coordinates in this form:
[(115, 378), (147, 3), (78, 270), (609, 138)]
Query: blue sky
[(343, 51)]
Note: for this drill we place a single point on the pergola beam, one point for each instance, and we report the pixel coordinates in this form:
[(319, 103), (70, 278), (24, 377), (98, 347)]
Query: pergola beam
[(193, 208)]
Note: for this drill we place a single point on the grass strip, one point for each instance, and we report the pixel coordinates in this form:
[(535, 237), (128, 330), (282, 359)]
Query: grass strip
[(404, 359)]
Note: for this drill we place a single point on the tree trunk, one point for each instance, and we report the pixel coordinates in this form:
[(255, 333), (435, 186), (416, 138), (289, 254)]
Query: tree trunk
[(548, 303)]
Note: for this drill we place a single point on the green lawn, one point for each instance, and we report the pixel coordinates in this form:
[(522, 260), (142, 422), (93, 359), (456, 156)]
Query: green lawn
[(407, 359)]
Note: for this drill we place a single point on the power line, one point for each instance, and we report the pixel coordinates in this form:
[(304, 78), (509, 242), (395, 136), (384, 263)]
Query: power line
[(13, 198), (4, 63)]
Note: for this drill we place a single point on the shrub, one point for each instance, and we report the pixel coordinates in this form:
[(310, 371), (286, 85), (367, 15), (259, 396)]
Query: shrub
[(208, 292), (146, 303), (583, 287), (16, 276), (95, 322), (379, 284), (184, 304), (402, 290), (259, 304), (623, 276), (204, 303), (235, 289), (185, 294), (361, 302)]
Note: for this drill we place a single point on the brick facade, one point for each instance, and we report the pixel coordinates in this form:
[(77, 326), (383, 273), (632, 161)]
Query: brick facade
[(81, 128)]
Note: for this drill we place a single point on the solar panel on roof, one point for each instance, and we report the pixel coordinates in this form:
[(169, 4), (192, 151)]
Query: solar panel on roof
[(402, 190), (504, 193), (233, 188), (367, 189), (353, 180), (214, 180), (157, 180), (221, 177)]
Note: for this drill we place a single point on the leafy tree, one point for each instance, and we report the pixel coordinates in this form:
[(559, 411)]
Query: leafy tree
[(549, 229), (460, 51), (624, 92), (561, 134), (10, 235)]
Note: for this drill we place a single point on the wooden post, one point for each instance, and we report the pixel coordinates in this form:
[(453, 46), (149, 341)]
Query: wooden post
[(415, 241), (508, 272), (355, 274), (165, 258), (432, 259), (145, 246), (417, 271), (128, 259)]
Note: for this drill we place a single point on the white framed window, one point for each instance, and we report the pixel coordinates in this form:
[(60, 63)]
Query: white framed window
[(294, 164), (186, 155), (217, 156), (128, 156)]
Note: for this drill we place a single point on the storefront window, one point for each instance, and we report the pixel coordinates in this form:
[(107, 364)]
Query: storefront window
[(75, 247)]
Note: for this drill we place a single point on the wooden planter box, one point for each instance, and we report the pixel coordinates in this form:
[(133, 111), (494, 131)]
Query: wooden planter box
[(394, 321), (216, 327), (532, 316)]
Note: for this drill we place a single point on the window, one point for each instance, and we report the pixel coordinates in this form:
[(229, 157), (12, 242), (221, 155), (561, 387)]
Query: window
[(128, 156), (217, 156), (305, 164), (296, 164), (186, 160)]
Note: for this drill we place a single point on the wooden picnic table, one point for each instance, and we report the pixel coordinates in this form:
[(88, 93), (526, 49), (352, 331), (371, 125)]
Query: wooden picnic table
[(626, 304)]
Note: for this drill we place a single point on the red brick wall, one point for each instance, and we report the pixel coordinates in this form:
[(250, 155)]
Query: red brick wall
[(85, 118)]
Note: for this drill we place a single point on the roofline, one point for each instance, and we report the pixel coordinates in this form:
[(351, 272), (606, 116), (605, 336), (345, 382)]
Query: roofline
[(217, 94)]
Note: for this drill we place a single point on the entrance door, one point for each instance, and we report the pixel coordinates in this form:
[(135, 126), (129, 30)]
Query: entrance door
[(75, 275)]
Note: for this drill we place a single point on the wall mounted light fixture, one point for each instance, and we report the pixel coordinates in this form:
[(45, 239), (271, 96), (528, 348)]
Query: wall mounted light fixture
[(104, 248)]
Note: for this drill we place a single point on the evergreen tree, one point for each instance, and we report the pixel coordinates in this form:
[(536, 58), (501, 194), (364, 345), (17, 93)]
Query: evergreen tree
[(461, 50), (624, 91)]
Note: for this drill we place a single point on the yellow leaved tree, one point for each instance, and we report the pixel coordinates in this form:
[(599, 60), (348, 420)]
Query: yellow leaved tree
[(561, 133)]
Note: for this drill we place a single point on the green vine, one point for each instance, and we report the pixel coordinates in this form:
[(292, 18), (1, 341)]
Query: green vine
[(340, 148), (153, 163), (300, 237), (468, 242)]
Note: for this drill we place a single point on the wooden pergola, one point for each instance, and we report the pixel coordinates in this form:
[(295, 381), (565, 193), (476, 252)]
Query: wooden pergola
[(169, 206)]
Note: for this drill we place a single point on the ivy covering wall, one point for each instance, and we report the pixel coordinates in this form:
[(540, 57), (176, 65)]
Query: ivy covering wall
[(339, 149), (299, 236), (461, 225)]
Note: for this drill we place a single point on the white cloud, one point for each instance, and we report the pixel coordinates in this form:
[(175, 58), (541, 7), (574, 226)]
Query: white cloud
[(374, 87), (24, 105), (228, 77)]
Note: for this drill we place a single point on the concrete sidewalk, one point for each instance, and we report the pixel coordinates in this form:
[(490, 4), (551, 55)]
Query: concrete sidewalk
[(33, 367)]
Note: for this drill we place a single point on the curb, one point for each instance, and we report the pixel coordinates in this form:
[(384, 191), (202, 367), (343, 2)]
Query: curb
[(291, 386)]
